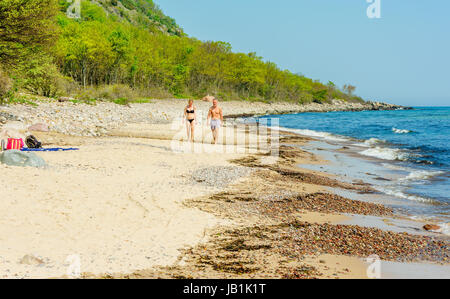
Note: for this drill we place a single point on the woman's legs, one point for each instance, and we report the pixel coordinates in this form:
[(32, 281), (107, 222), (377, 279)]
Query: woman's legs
[(188, 129), (192, 131)]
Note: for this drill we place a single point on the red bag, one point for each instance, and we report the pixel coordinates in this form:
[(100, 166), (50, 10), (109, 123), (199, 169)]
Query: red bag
[(14, 144)]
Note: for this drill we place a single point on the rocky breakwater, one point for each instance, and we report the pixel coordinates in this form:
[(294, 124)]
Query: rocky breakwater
[(254, 109), (385, 106), (80, 119)]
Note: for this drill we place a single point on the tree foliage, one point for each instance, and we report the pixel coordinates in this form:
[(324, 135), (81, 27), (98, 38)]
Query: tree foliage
[(25, 25), (5, 85)]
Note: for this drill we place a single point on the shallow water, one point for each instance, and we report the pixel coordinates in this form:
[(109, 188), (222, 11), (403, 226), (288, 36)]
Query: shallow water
[(394, 270), (405, 154)]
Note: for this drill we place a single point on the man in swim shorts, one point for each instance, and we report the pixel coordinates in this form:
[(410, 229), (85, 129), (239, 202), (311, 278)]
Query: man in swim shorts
[(215, 114)]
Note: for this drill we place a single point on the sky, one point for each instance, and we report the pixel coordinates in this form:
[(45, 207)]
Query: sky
[(403, 57)]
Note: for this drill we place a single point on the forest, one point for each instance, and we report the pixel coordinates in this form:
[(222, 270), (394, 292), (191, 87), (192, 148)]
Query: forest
[(128, 49)]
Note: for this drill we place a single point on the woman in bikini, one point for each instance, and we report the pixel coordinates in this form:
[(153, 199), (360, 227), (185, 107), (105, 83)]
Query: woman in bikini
[(190, 114)]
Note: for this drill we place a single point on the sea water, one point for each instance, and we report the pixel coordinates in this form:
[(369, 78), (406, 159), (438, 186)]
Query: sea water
[(405, 154)]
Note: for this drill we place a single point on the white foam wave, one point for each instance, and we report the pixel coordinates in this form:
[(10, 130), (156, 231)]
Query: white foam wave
[(444, 226), (421, 175), (370, 142), (445, 229), (400, 131), (386, 153), (396, 167), (400, 194), (317, 134), (374, 142)]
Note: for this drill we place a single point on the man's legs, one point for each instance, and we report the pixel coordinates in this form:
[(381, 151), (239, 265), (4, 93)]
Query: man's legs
[(216, 135)]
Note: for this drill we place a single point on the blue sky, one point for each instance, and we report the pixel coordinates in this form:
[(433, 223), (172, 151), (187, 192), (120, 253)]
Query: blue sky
[(402, 58)]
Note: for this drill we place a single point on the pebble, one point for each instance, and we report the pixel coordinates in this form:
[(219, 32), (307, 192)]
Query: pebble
[(218, 176)]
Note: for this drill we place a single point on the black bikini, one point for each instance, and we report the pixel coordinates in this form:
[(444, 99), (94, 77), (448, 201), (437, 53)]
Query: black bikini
[(190, 112)]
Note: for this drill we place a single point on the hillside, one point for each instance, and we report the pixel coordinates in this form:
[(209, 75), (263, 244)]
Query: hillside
[(144, 13)]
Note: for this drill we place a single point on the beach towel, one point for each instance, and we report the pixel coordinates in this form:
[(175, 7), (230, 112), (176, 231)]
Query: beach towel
[(56, 149), (14, 144)]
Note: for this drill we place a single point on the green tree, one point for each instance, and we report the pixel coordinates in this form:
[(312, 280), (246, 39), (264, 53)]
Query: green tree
[(41, 76), (349, 89), (25, 25), (5, 85)]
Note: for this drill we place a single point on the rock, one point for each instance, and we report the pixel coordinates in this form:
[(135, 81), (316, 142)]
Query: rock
[(39, 127), (15, 125), (65, 99), (31, 260), (431, 227), (6, 117), (216, 176), (23, 159), (208, 98)]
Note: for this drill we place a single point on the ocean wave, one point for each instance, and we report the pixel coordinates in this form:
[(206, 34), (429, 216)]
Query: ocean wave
[(421, 175), (400, 194), (400, 131), (317, 134), (374, 141), (386, 153), (445, 229), (397, 167), (370, 142)]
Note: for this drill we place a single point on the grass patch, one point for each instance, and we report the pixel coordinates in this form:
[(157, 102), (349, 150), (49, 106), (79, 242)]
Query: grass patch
[(21, 100)]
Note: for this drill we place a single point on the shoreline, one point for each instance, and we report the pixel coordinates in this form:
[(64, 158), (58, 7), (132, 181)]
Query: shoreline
[(243, 249), (95, 120)]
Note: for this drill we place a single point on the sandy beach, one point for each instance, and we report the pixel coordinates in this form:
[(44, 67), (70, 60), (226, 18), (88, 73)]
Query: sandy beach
[(138, 202)]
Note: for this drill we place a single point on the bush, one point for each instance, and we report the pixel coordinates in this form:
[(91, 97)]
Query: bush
[(88, 94), (305, 98), (5, 85), (41, 77), (116, 91), (155, 93)]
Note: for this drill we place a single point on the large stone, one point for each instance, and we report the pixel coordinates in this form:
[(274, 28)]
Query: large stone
[(40, 127), (31, 260), (24, 159), (15, 125)]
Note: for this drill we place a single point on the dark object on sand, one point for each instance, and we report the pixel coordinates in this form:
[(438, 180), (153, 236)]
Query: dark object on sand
[(32, 142), (431, 227)]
